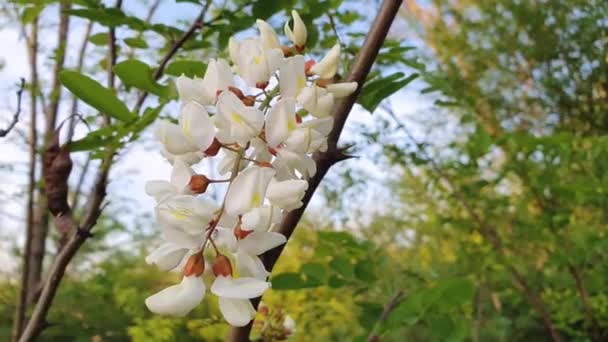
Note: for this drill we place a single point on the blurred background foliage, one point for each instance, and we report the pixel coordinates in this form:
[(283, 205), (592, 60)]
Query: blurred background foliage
[(492, 221)]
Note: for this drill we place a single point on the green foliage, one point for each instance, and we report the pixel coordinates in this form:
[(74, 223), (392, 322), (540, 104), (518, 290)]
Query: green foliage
[(379, 88), (135, 73), (190, 68), (95, 95)]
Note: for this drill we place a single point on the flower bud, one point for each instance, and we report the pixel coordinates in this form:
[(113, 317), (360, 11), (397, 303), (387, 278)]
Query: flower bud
[(240, 233), (198, 184), (248, 101), (195, 265), (221, 266), (212, 150), (309, 64), (236, 92), (298, 119), (287, 52), (261, 85), (299, 34), (272, 151)]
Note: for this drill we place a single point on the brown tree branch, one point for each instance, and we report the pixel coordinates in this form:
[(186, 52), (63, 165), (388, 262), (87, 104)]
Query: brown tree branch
[(359, 71), (388, 308), (4, 132), (81, 232)]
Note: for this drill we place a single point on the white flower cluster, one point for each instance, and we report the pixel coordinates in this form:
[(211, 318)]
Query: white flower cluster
[(257, 123)]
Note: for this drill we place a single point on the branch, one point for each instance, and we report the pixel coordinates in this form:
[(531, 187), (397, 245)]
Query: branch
[(388, 308), (81, 232), (359, 71), (4, 132)]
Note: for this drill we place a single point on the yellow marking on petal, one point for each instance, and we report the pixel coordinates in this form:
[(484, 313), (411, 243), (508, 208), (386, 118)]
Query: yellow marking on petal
[(256, 200), (301, 81), (256, 60), (236, 118), (180, 214), (186, 129), (291, 124)]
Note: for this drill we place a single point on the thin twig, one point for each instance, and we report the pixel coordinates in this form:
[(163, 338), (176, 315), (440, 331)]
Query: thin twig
[(388, 308), (360, 69), (4, 132)]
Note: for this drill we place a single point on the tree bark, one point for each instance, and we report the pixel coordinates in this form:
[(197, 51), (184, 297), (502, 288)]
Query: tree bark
[(359, 71)]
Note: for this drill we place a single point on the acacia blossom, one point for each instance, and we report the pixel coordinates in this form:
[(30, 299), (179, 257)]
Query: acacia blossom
[(259, 143)]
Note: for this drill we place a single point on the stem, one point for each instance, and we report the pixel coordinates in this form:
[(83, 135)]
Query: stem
[(20, 309), (388, 308), (360, 69)]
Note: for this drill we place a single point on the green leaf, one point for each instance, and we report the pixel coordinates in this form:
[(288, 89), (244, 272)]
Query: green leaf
[(95, 95), (111, 17), (289, 281), (189, 68), (99, 38), (264, 9), (342, 266), (136, 42), (379, 89), (315, 271), (30, 13), (135, 73)]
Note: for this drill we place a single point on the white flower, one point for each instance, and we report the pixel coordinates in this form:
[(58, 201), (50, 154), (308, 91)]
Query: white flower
[(292, 76), (298, 34), (234, 295), (287, 194), (235, 121), (316, 100), (288, 162), (248, 249), (187, 213), (261, 219), (247, 190), (268, 37), (178, 300), (289, 324), (196, 125), (310, 136), (281, 120), (255, 63), (167, 256), (227, 162), (344, 89), (180, 178), (218, 76), (328, 66), (173, 139), (188, 158)]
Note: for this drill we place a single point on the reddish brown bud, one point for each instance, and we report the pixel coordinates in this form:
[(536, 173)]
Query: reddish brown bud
[(300, 48), (217, 93), (213, 149), (272, 151), (236, 92), (308, 65), (286, 51), (263, 310), (240, 233), (324, 82), (221, 266), (195, 265), (198, 184), (249, 101), (264, 164), (298, 119), (261, 85)]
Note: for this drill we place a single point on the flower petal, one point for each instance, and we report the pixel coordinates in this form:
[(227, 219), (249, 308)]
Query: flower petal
[(196, 125), (293, 78), (328, 66), (250, 266), (247, 190), (178, 300), (237, 312), (241, 288), (280, 121), (167, 256), (341, 89), (257, 243), (160, 190)]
